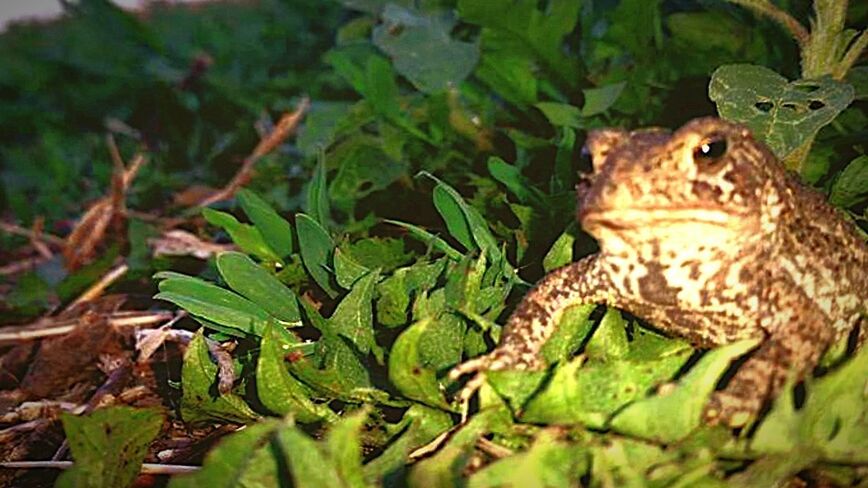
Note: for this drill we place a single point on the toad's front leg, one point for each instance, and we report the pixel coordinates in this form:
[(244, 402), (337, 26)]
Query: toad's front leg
[(791, 350), (534, 321)]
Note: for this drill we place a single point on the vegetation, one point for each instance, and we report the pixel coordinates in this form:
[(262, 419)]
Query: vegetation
[(429, 182)]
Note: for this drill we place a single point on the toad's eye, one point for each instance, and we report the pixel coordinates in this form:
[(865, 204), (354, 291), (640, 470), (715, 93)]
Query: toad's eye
[(710, 151)]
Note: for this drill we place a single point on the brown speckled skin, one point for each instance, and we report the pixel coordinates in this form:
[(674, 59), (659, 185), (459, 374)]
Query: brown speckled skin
[(712, 249)]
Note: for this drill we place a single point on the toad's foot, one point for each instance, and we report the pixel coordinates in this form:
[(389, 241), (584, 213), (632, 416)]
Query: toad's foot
[(732, 410)]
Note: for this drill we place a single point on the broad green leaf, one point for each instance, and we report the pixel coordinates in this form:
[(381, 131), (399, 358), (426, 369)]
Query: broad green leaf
[(396, 290), (561, 114), (782, 113), (108, 445), (344, 445), (832, 423), (549, 462), (851, 186), (275, 230), (444, 469), (424, 425), (610, 339), (245, 458), (857, 76), (456, 222), (441, 346), (412, 378), (378, 252), (539, 33), (259, 286), (600, 99), (246, 236), (320, 128), (614, 372), (338, 370), (353, 317), (200, 401), (212, 303), (347, 270), (308, 462), (363, 168), (316, 251), (381, 89), (508, 67), (573, 327), (422, 49), (512, 178), (466, 224), (561, 252), (671, 417), (278, 390)]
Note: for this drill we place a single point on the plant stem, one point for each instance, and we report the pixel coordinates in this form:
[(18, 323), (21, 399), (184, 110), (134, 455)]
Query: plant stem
[(821, 54), (764, 7)]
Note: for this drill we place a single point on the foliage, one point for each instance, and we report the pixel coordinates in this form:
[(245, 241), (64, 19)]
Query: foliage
[(431, 182)]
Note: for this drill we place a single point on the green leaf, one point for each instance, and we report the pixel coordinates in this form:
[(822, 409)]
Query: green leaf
[(466, 224), (320, 129), (424, 425), (671, 417), (614, 372), (507, 67), (445, 468), (428, 238), (279, 391), (259, 286), (212, 303), (275, 230), (363, 168), (561, 252), (108, 445), (784, 114), (422, 49), (407, 372), (549, 462), (832, 422), (539, 33), (353, 317), (344, 444), (317, 203), (851, 186), (245, 458), (381, 89), (246, 236), (347, 270), (573, 328), (308, 462), (198, 403), (316, 251), (396, 290), (598, 100), (561, 114), (512, 178)]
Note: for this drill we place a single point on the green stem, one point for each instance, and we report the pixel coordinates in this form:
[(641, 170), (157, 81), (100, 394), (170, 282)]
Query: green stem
[(766, 8), (820, 56), (851, 56)]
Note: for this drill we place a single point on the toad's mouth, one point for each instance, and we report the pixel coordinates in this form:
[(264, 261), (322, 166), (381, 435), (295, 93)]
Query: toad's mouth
[(625, 218)]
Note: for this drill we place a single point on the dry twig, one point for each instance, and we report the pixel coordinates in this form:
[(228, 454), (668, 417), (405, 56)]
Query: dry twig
[(285, 127)]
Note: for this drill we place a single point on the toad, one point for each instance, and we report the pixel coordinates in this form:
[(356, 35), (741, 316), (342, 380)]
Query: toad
[(705, 235)]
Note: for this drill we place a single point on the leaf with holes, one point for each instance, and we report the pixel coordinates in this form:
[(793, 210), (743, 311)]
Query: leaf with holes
[(784, 114)]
